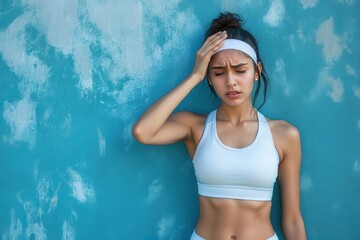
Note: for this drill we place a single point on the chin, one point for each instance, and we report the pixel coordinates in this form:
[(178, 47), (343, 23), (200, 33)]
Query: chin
[(233, 103)]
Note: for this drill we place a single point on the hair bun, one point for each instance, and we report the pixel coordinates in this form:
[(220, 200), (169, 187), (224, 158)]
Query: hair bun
[(224, 21)]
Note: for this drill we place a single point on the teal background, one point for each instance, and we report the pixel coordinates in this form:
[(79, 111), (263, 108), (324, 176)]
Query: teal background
[(75, 76)]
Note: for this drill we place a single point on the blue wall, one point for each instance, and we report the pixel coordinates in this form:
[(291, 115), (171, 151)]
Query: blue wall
[(75, 75)]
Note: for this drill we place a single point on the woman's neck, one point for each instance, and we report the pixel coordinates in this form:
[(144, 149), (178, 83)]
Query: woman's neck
[(236, 114)]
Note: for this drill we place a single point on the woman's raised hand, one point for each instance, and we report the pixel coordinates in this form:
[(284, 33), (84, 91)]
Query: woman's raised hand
[(203, 55), (156, 125)]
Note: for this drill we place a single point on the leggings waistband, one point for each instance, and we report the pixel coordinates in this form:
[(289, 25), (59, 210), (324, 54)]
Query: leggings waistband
[(194, 236)]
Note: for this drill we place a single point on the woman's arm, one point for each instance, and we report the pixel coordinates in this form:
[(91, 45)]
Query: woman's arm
[(289, 179), (156, 126)]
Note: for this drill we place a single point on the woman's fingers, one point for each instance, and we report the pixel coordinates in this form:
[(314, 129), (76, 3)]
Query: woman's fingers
[(203, 55), (214, 36), (212, 43), (215, 45)]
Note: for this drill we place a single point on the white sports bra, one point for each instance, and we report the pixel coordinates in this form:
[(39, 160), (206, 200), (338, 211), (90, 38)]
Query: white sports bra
[(247, 173)]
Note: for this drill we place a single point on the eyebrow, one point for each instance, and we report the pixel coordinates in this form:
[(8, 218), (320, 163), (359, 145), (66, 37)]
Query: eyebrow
[(233, 66)]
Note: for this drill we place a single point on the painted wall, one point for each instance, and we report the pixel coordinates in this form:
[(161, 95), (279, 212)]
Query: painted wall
[(75, 75)]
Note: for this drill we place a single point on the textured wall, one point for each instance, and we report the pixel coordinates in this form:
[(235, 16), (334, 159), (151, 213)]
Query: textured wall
[(75, 75)]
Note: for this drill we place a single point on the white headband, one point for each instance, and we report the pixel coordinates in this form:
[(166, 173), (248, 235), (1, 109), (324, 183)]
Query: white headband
[(238, 45)]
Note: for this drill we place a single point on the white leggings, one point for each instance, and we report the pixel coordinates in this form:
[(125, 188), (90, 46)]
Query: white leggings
[(194, 236)]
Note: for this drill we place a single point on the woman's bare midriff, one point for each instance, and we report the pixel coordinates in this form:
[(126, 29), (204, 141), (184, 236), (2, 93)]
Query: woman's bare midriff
[(233, 219)]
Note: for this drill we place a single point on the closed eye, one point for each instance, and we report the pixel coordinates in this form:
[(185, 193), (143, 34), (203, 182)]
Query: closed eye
[(218, 74)]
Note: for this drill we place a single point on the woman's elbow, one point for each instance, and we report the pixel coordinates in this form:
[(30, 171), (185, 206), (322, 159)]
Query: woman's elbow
[(139, 135), (294, 227)]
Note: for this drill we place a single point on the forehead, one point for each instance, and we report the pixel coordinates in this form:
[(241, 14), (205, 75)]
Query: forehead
[(230, 56)]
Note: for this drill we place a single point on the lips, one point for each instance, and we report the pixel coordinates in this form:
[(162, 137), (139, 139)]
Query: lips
[(233, 94)]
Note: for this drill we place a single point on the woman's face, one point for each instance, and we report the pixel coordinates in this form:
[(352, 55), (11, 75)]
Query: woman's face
[(232, 75)]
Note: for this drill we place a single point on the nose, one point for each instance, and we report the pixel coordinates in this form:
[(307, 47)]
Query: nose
[(230, 81)]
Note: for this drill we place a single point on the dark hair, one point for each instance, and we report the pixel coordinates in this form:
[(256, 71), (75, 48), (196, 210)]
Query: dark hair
[(232, 23)]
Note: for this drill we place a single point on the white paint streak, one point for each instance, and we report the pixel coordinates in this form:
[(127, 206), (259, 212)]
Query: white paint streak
[(351, 71), (127, 136), (337, 89), (133, 40), (81, 191), (43, 188), (154, 191), (292, 42), (68, 232), (47, 195), (165, 227), (230, 5), (357, 163), (356, 91), (66, 125), (302, 36), (54, 199), (102, 143), (122, 38), (309, 3), (21, 118), (32, 71), (279, 75), (59, 21), (325, 36), (348, 2), (300, 33), (46, 116), (15, 230), (83, 66), (34, 225), (333, 86), (275, 14), (306, 183)]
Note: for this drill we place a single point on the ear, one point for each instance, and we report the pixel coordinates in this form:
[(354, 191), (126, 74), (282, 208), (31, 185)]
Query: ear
[(208, 78), (259, 69)]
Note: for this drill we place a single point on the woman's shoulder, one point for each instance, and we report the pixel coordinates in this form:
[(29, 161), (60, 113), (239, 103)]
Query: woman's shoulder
[(283, 128), (286, 136)]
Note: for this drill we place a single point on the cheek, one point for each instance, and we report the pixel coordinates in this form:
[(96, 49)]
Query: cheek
[(250, 77), (218, 85), (217, 80), (246, 79)]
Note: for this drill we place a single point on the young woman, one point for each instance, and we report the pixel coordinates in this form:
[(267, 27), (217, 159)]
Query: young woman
[(237, 153)]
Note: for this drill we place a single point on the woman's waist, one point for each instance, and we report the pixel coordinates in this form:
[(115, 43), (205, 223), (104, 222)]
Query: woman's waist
[(234, 228), (220, 206), (234, 212), (245, 220)]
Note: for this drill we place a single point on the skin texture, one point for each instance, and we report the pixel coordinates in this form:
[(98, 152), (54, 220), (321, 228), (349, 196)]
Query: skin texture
[(232, 74)]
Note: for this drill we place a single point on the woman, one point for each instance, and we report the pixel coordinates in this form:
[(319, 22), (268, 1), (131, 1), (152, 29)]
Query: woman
[(237, 153)]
